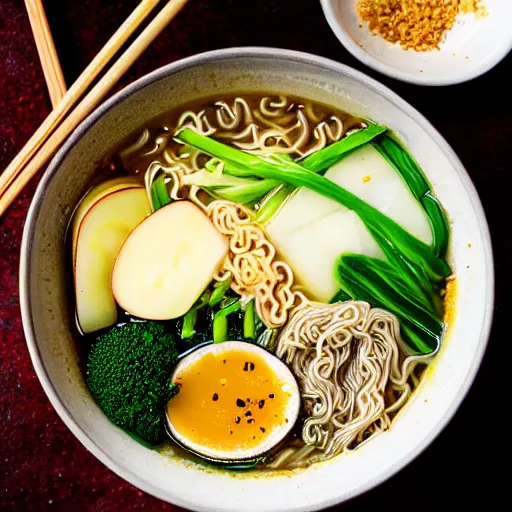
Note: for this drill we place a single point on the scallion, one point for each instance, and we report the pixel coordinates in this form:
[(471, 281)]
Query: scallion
[(363, 278), (250, 321), (219, 291), (220, 322), (159, 193), (190, 317), (324, 158)]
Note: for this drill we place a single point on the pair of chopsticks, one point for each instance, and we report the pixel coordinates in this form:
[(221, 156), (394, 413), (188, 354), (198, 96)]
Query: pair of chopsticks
[(64, 118)]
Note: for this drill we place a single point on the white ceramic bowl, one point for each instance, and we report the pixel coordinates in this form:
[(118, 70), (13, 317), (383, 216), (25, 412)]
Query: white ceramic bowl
[(47, 309), (471, 48)]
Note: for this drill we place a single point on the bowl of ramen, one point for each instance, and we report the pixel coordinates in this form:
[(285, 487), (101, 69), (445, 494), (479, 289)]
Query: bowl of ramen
[(252, 273)]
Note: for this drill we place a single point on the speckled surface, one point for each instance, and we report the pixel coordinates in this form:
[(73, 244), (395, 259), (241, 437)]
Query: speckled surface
[(42, 466)]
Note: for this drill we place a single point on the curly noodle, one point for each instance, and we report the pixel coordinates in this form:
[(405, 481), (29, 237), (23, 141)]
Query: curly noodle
[(253, 264), (347, 358)]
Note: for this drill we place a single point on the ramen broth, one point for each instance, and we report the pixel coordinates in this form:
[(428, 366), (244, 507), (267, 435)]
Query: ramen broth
[(330, 260)]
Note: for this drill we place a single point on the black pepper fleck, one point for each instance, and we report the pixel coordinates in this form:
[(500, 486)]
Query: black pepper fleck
[(240, 402), (238, 419), (262, 429), (271, 395), (248, 413), (250, 420), (248, 366), (261, 404), (215, 397)]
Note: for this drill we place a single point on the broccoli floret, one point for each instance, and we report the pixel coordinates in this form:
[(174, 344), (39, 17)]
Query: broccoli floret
[(128, 374)]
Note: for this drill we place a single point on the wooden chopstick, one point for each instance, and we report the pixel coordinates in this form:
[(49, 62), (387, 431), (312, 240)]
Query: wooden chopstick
[(75, 92), (91, 100), (46, 50)]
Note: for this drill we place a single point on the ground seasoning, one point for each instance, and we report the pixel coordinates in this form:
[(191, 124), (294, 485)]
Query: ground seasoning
[(415, 24)]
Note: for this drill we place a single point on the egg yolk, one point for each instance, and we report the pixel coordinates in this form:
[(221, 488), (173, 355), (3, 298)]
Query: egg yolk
[(229, 401)]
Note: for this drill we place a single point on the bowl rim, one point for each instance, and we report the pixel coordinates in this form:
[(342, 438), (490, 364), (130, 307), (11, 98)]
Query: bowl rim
[(161, 73), (370, 61)]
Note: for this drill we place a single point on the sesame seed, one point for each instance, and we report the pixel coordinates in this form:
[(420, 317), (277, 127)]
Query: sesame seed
[(249, 366)]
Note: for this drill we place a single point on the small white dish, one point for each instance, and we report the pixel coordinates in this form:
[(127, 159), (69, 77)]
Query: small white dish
[(470, 49)]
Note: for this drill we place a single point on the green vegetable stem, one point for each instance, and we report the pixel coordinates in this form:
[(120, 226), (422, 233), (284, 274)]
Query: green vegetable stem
[(376, 282), (220, 321), (219, 291), (250, 320), (159, 193), (218, 181), (321, 160), (189, 320)]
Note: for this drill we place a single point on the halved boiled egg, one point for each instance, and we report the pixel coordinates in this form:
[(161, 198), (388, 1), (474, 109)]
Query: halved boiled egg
[(236, 402)]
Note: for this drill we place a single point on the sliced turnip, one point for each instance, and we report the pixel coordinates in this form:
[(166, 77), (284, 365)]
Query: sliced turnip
[(167, 262), (369, 176), (102, 232), (312, 250)]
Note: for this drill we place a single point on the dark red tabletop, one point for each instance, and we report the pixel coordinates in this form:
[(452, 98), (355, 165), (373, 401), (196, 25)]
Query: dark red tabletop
[(42, 466)]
